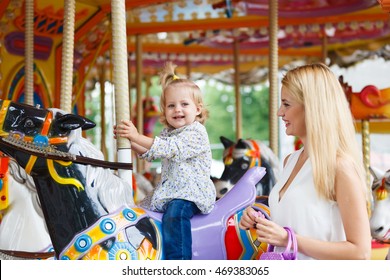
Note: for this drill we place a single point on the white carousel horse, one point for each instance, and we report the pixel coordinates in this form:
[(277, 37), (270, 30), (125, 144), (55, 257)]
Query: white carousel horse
[(380, 218), (22, 227), (242, 155)]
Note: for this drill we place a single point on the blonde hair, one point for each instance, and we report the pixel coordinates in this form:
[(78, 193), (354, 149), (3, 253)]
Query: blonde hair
[(168, 79), (329, 124)]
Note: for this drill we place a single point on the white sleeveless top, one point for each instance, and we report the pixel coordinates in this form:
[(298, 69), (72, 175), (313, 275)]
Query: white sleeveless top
[(302, 209)]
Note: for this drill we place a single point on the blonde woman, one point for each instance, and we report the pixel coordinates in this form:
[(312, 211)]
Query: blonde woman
[(321, 193), (183, 145)]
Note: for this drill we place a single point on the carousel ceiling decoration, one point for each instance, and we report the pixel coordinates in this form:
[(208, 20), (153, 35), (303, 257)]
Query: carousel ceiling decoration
[(350, 28), (199, 34)]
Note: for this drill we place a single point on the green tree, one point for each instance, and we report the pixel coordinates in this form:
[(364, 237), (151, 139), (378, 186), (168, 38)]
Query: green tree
[(220, 100)]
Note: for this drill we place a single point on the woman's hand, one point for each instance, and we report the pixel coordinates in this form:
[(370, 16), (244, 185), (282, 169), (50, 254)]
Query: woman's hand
[(266, 230), (269, 232), (247, 220)]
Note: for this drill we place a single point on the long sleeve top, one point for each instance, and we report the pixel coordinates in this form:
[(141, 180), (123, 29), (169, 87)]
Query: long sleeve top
[(186, 164)]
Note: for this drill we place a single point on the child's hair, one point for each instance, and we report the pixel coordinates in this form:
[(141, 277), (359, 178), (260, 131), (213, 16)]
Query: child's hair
[(168, 79)]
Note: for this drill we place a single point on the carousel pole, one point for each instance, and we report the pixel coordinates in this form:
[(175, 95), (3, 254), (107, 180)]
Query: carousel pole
[(237, 89), (140, 113), (67, 56), (366, 154), (120, 79), (273, 76), (29, 54), (102, 82), (324, 47), (130, 85), (188, 68)]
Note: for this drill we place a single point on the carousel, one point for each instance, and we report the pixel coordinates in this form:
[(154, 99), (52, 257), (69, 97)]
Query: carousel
[(53, 52)]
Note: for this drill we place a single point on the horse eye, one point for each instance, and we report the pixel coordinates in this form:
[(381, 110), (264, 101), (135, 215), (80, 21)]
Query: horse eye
[(28, 123), (244, 166)]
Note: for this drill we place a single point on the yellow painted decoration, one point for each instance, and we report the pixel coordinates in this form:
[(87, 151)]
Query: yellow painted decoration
[(381, 193), (61, 180), (120, 250), (30, 164)]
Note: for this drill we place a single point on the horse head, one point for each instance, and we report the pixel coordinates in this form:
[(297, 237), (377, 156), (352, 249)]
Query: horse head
[(380, 218), (239, 157)]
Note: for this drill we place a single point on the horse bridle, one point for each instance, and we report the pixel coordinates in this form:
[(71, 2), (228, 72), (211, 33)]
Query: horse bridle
[(253, 153), (42, 146)]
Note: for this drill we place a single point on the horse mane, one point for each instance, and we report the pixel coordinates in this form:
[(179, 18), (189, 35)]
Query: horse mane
[(21, 176), (270, 156), (109, 189)]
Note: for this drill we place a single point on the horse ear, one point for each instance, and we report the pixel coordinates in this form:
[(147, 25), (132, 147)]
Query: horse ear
[(226, 142), (241, 144), (377, 174), (70, 122)]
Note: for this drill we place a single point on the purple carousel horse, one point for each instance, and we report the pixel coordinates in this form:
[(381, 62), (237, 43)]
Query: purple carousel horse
[(89, 211), (239, 157)]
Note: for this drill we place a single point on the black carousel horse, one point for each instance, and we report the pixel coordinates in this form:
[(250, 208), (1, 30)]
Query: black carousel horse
[(239, 157)]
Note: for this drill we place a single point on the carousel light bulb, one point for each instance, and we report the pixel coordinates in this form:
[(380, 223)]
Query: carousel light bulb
[(9, 14), (182, 57), (153, 18), (330, 30), (180, 16), (194, 15), (302, 28), (195, 34), (250, 32), (368, 25), (236, 33), (354, 25), (263, 31), (162, 35), (379, 24), (341, 26), (182, 4), (289, 29), (315, 27)]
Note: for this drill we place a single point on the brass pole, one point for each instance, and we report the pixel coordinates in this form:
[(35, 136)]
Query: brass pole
[(237, 89), (273, 76)]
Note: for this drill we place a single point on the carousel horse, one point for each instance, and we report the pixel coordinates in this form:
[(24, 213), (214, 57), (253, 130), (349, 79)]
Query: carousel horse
[(90, 212), (239, 157), (380, 218), (22, 227)]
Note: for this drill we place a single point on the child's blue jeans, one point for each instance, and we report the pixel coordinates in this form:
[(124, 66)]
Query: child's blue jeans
[(176, 229)]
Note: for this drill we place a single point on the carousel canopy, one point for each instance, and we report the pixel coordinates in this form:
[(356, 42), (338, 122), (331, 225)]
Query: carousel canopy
[(198, 35)]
